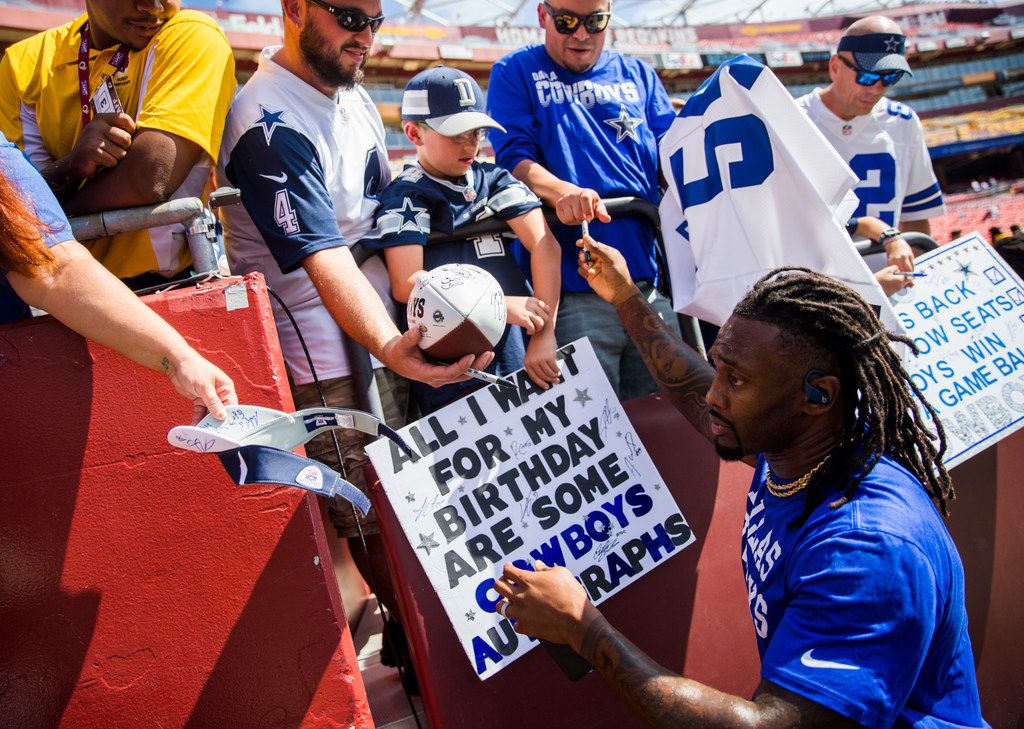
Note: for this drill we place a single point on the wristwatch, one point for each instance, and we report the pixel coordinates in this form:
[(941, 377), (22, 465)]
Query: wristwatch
[(887, 235)]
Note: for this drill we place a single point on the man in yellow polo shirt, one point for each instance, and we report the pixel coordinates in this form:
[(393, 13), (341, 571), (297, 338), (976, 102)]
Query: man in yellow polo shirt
[(170, 71)]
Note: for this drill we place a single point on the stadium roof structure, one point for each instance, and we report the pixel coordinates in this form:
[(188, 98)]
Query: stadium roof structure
[(466, 33), (725, 17), (627, 13)]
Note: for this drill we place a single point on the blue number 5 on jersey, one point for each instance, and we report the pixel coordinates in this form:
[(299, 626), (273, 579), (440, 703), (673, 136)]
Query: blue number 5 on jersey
[(751, 169)]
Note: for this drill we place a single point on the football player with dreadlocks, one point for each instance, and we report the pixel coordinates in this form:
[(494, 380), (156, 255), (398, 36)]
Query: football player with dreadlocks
[(856, 588)]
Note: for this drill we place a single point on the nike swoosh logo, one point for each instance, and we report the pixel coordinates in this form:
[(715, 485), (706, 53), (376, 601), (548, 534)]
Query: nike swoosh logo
[(243, 471), (283, 177), (815, 663)]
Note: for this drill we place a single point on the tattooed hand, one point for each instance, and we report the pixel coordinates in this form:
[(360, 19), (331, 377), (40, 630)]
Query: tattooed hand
[(677, 368), (546, 603), (606, 271)]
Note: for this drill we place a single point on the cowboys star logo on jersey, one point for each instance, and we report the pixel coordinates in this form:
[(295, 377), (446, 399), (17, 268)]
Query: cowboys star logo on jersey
[(399, 220), (417, 204), (625, 125), (269, 120)]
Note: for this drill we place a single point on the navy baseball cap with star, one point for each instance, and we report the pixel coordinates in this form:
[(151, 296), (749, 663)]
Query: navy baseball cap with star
[(448, 100), (878, 52)]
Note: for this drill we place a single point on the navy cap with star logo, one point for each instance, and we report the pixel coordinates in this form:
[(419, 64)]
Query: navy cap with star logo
[(448, 100), (877, 51)]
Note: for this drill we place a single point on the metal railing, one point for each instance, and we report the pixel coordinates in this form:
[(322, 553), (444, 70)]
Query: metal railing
[(617, 207), (208, 253), (919, 241), (200, 225)]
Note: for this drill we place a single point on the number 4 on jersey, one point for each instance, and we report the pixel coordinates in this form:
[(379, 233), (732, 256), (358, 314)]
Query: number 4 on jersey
[(284, 214)]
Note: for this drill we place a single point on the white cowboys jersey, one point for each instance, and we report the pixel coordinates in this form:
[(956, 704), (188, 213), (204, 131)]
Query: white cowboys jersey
[(310, 168), (752, 187), (886, 150)]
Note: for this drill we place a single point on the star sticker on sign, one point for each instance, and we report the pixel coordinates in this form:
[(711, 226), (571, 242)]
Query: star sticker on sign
[(427, 542)]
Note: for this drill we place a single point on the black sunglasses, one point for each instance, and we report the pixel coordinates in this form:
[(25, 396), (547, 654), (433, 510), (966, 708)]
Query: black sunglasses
[(870, 78), (566, 23), (352, 20)]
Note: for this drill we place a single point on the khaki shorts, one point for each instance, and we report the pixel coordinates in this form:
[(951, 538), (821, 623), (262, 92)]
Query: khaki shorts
[(340, 393)]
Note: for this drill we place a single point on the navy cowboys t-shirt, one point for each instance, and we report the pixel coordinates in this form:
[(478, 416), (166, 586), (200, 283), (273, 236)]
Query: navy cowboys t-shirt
[(861, 609)]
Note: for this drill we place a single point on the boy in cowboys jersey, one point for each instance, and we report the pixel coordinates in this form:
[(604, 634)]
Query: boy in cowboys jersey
[(447, 189), (880, 139)]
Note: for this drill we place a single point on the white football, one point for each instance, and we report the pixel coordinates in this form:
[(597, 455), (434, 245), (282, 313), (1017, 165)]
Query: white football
[(459, 309)]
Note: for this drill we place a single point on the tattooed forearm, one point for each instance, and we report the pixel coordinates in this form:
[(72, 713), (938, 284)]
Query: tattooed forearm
[(677, 368), (658, 696), (665, 699)]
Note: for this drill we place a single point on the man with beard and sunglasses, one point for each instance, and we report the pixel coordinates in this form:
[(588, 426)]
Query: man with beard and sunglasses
[(855, 587), (880, 139), (305, 145), (583, 123)]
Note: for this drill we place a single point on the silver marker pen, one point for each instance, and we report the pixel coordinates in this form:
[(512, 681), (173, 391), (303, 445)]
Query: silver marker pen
[(488, 377)]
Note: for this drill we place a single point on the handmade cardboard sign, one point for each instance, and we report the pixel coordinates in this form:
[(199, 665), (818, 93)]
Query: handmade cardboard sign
[(966, 315), (525, 474)]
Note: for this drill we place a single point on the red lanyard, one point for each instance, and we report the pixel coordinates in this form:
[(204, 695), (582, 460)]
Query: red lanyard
[(119, 61)]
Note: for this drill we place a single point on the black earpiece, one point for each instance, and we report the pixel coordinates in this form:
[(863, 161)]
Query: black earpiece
[(815, 394)]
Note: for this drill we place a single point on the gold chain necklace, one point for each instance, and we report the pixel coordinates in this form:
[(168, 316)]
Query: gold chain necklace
[(794, 487)]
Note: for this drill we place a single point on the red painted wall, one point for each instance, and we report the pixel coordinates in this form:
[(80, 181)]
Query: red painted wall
[(987, 524), (138, 586)]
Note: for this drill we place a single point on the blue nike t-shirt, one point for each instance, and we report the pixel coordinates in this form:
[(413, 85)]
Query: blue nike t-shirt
[(861, 609)]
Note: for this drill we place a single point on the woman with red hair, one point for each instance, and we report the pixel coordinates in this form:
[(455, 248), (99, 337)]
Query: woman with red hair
[(46, 267)]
